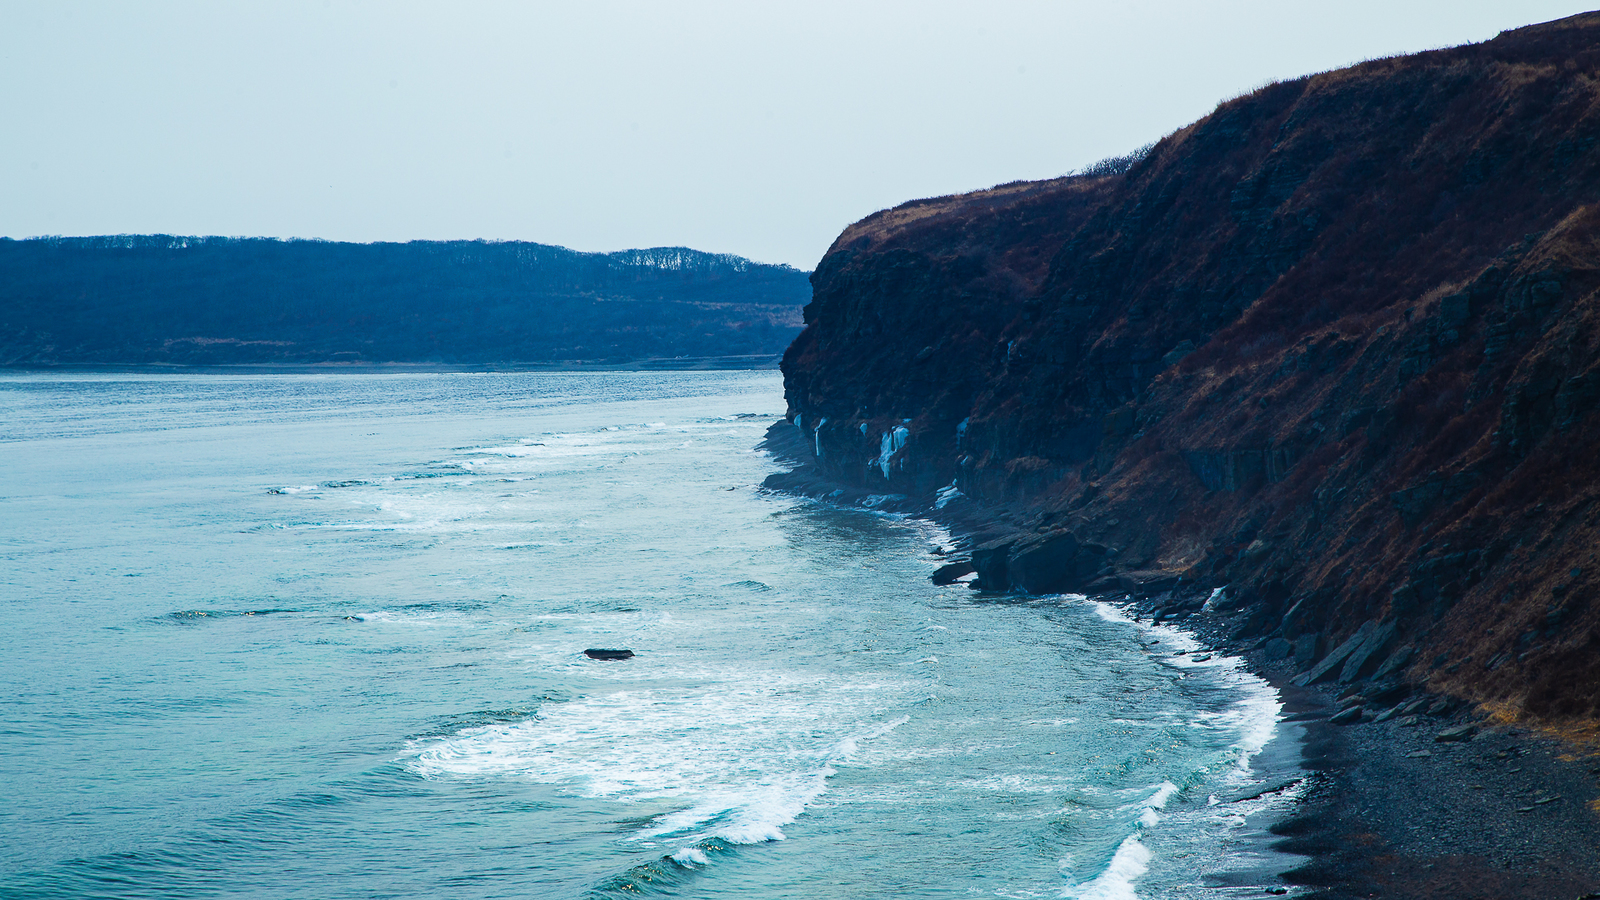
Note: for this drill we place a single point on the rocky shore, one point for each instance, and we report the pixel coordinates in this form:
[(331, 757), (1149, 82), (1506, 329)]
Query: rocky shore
[(1412, 794), (1319, 375)]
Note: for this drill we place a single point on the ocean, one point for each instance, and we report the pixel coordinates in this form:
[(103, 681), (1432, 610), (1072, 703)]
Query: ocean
[(321, 636)]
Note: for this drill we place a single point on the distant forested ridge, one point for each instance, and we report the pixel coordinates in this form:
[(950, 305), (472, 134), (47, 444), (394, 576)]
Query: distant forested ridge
[(160, 299)]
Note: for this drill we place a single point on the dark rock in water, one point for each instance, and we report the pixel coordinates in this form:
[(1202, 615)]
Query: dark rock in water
[(608, 654), (1041, 564), (1261, 790), (1056, 563), (990, 562), (951, 572)]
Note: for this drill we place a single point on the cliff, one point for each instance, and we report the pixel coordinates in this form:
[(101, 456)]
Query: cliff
[(1334, 347), (158, 299)]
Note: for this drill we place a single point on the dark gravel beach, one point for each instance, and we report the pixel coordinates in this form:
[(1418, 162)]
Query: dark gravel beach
[(1447, 805)]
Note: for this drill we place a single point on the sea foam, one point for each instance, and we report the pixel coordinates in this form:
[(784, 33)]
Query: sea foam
[(738, 755)]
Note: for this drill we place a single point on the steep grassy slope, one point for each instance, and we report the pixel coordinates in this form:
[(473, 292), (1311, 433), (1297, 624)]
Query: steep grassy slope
[(1335, 346)]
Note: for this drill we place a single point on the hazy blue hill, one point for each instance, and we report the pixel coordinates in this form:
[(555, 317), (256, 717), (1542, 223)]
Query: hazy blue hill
[(134, 299)]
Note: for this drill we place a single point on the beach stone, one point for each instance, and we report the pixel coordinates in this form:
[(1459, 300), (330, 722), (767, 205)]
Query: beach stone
[(1386, 693), (1349, 716), (1366, 656), (1279, 648), (1387, 714), (1414, 706), (1458, 733), (1439, 707), (1410, 722)]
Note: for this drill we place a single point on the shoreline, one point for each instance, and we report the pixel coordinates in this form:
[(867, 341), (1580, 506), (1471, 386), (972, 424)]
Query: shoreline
[(651, 364), (1436, 801)]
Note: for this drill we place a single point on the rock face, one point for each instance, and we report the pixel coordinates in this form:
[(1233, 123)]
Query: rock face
[(1335, 346)]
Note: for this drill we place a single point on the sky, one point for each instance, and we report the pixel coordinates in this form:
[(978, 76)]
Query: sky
[(755, 128)]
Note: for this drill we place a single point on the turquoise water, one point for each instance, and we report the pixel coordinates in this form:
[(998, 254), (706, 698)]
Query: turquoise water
[(321, 636)]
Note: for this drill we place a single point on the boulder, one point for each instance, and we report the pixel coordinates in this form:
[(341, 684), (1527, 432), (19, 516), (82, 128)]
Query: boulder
[(1333, 661), (950, 572), (1278, 648), (1348, 717), (1047, 565), (1387, 692), (1458, 733), (1366, 656), (1056, 563), (991, 562), (1396, 661), (1305, 648), (1106, 584)]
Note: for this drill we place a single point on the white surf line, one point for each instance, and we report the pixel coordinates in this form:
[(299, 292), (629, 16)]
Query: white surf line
[(1258, 711), (1255, 716)]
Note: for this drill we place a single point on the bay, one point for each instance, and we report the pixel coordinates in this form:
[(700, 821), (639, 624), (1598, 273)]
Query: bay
[(321, 636)]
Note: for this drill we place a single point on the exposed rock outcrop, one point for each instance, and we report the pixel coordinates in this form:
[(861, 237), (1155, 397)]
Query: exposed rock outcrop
[(1335, 346)]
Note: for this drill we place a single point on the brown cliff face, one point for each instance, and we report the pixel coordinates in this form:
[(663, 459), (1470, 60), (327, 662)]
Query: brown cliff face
[(1336, 346)]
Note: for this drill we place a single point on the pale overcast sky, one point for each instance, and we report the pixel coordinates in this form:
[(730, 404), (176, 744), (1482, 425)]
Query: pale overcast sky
[(754, 128)]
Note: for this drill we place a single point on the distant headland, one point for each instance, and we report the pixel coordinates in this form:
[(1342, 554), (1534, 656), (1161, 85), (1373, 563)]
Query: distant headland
[(161, 300)]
